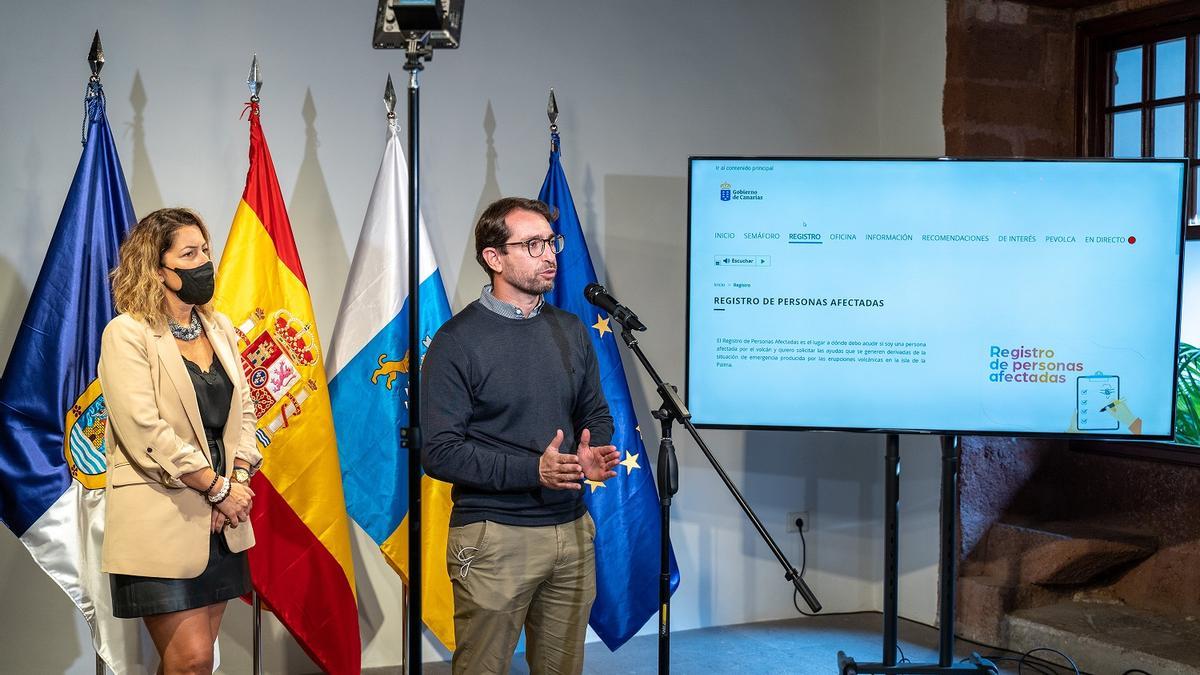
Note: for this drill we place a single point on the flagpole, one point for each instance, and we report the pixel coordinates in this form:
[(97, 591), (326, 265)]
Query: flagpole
[(254, 83), (416, 50), (389, 104), (404, 628), (257, 632), (95, 62)]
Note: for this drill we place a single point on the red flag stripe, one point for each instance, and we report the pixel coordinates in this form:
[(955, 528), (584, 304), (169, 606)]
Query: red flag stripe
[(298, 567), (262, 195)]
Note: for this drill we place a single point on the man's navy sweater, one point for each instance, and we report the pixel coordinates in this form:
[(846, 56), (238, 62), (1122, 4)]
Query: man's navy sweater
[(494, 390)]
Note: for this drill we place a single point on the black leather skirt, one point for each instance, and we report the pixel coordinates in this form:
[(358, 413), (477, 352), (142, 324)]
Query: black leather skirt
[(227, 576)]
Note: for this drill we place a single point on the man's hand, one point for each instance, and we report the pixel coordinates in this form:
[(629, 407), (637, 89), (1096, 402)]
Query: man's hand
[(558, 471), (597, 460)]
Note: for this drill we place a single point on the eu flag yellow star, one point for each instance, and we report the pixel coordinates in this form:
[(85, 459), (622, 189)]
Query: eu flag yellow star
[(594, 484), (601, 325), (631, 461)]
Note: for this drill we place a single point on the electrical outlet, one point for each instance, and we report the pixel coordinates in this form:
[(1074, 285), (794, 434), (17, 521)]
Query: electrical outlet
[(791, 521)]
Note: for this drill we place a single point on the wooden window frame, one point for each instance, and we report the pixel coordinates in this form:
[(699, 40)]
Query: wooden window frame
[(1095, 41)]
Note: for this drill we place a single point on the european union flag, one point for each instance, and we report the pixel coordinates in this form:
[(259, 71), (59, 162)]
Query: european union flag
[(625, 508), (52, 414)]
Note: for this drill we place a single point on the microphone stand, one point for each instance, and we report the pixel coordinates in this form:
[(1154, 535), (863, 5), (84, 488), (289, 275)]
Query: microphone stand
[(673, 410)]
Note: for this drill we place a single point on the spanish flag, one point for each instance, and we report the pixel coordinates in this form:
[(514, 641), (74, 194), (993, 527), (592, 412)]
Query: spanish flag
[(301, 565)]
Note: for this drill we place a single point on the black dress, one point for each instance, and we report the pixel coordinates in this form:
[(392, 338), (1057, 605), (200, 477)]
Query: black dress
[(227, 575)]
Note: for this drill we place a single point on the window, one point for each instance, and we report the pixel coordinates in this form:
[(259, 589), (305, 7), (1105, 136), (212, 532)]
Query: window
[(1139, 96), (1143, 91)]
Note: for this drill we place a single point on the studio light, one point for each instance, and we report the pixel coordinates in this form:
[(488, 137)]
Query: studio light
[(398, 21)]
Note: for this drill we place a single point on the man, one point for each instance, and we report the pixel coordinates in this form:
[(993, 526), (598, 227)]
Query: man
[(515, 417)]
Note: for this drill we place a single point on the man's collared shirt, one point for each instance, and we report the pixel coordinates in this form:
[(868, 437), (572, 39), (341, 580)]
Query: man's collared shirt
[(505, 309)]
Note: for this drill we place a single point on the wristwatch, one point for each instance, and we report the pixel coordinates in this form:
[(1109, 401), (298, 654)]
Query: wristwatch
[(241, 475)]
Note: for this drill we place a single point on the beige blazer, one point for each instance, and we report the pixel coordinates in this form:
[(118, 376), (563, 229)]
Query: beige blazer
[(153, 524)]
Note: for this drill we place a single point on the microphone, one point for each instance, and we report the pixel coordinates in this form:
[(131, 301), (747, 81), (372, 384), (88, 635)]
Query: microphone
[(598, 296)]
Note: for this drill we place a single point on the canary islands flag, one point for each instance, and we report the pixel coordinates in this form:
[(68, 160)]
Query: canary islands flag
[(370, 361), (300, 565), (625, 508)]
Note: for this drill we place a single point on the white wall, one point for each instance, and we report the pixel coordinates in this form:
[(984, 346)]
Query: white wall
[(641, 86)]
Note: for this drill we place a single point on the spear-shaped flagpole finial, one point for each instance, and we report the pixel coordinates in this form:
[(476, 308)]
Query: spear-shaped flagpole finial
[(96, 56), (389, 99), (93, 99), (254, 80), (552, 113)]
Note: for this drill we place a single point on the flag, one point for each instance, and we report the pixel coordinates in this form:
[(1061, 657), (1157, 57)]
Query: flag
[(370, 360), (625, 508), (301, 565), (52, 413)]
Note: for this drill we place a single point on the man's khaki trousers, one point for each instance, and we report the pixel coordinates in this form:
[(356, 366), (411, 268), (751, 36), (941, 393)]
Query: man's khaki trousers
[(507, 577)]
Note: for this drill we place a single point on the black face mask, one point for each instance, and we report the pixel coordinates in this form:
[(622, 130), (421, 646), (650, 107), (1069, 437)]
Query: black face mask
[(198, 283)]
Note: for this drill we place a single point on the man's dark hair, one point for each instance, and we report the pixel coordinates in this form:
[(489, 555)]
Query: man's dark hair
[(491, 231)]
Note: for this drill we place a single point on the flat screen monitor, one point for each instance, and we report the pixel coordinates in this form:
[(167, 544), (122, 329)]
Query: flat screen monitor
[(1014, 297)]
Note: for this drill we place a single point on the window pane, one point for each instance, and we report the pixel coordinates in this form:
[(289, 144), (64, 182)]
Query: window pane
[(1127, 134), (1168, 130), (1127, 76), (1169, 60)]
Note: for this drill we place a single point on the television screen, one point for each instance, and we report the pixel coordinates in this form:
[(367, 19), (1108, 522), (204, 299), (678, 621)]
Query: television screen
[(1015, 297)]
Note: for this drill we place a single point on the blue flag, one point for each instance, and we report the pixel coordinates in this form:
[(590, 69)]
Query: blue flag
[(625, 508), (52, 414)]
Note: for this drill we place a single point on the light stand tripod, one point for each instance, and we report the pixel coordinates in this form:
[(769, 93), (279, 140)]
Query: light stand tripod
[(674, 410), (416, 50)]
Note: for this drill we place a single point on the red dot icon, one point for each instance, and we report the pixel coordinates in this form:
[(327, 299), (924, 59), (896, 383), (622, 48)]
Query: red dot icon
[(1132, 239)]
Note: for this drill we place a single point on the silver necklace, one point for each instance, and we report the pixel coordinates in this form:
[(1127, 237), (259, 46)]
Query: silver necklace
[(186, 333)]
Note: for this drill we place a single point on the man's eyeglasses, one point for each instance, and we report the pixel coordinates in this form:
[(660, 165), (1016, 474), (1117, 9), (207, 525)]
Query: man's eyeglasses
[(537, 247)]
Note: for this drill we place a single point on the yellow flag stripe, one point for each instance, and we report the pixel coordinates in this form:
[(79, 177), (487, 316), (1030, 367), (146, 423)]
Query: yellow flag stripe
[(437, 595), (302, 461)]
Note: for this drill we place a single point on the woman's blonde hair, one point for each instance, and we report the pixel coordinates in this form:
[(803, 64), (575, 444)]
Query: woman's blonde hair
[(136, 288)]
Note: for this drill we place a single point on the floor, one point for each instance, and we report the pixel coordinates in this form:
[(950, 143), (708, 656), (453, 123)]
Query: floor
[(792, 647)]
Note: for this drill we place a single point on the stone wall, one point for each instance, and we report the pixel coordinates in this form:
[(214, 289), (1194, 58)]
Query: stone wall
[(1011, 92)]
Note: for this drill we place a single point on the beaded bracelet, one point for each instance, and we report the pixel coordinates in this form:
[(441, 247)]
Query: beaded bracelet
[(216, 476), (221, 495)]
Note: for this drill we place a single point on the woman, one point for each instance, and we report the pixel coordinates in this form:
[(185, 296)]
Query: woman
[(180, 443)]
